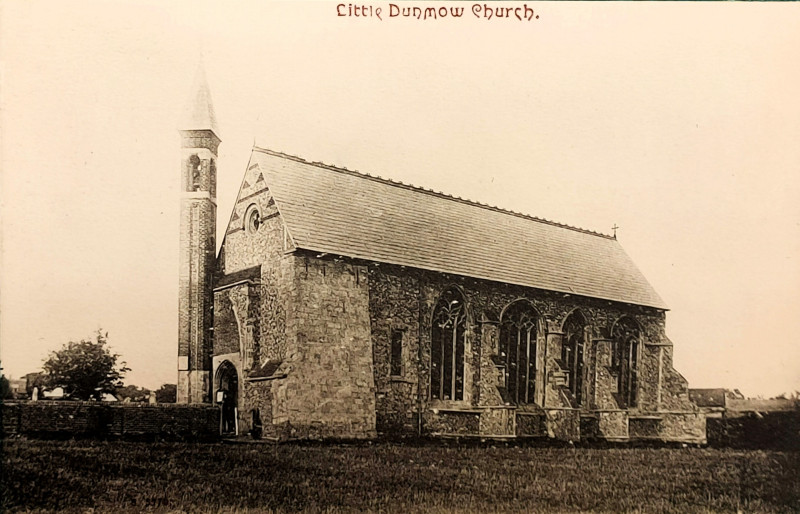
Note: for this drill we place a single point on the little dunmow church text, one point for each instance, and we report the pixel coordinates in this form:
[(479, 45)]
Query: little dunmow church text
[(391, 11)]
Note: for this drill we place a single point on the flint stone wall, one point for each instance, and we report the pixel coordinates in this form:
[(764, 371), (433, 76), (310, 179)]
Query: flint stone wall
[(329, 390), (256, 396), (330, 322), (405, 297)]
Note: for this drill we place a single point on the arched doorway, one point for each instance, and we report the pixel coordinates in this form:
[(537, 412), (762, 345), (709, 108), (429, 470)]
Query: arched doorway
[(227, 396)]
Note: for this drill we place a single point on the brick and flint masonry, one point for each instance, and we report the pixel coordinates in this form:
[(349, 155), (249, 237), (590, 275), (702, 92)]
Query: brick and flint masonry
[(483, 11)]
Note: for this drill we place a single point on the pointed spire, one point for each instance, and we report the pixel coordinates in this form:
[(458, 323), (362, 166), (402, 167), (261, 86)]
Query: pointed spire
[(199, 113)]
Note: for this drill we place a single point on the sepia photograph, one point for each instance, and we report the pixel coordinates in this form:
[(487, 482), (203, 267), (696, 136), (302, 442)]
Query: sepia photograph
[(412, 256)]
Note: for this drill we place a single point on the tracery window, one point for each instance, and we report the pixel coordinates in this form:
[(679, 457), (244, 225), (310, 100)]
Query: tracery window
[(448, 337), (626, 337), (518, 349), (572, 351)]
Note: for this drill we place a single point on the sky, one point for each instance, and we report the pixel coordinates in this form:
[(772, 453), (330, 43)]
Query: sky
[(677, 122)]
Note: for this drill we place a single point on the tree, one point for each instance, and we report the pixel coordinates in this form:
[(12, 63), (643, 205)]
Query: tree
[(167, 393), (85, 369), (5, 389), (133, 393)]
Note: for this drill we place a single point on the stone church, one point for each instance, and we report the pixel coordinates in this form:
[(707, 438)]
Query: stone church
[(343, 305)]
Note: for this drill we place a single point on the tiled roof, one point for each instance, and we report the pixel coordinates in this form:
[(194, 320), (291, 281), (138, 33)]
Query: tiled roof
[(342, 212)]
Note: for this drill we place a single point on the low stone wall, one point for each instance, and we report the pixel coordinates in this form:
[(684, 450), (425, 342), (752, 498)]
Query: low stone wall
[(761, 405), (612, 425), (644, 427), (531, 424), (97, 419), (498, 421), (687, 427), (452, 422), (563, 424), (770, 430)]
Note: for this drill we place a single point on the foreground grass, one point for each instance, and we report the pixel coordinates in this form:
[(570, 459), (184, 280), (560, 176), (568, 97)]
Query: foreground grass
[(128, 476)]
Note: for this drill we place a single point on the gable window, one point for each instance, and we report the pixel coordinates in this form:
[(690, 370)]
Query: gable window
[(396, 356), (626, 337), (252, 219), (448, 336), (518, 350), (572, 351)]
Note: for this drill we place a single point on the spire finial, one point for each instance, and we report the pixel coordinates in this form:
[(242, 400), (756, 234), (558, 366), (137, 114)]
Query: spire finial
[(199, 114)]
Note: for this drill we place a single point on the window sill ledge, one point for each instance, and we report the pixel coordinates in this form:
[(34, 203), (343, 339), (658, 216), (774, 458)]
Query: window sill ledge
[(401, 380), (455, 410)]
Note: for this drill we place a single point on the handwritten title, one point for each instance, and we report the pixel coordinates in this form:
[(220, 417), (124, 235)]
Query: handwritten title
[(393, 11)]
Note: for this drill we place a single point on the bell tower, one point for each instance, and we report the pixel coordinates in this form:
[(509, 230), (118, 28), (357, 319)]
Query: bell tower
[(199, 143)]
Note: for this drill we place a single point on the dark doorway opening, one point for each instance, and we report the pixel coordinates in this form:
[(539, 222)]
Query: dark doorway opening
[(228, 397)]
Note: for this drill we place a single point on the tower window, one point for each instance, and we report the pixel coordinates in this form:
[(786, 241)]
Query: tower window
[(193, 173), (213, 177)]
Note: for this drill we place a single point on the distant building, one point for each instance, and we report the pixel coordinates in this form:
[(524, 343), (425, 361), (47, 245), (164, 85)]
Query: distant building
[(719, 402), (711, 401), (52, 394), (345, 305), (17, 386), (32, 380), (35, 380)]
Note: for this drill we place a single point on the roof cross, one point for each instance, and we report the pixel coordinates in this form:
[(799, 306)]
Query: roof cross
[(614, 228)]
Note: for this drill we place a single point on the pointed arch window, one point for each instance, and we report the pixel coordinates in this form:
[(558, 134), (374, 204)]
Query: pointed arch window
[(626, 337), (448, 337), (518, 333), (572, 353)]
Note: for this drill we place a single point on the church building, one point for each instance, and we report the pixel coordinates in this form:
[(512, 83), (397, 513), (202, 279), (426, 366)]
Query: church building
[(343, 305)]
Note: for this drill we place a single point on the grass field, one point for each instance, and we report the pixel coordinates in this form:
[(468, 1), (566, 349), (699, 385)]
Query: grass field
[(134, 477)]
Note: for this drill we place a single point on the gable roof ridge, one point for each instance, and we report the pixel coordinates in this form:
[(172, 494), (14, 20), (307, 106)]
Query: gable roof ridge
[(439, 194)]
